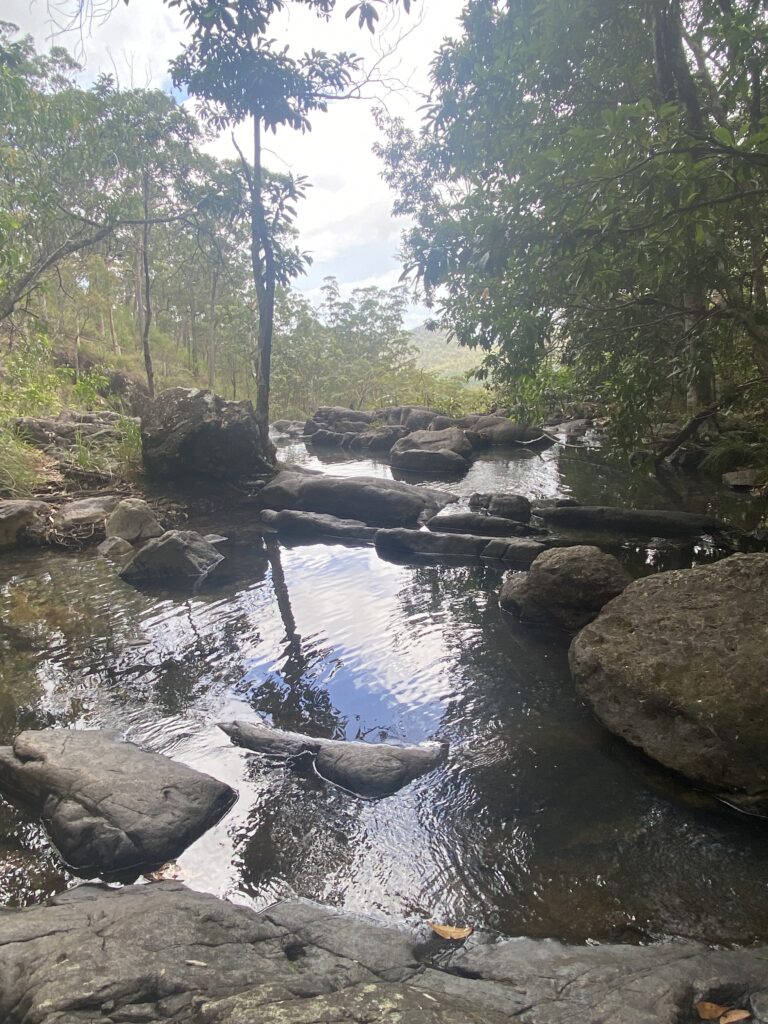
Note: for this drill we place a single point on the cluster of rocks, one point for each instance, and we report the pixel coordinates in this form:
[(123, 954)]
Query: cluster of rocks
[(160, 952), (67, 429)]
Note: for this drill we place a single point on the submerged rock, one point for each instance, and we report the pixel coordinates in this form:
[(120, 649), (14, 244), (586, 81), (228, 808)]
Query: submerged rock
[(110, 808), (401, 545), (643, 521), (187, 432), (116, 549), (677, 665), (162, 952), (19, 517), (567, 586), (316, 524), (178, 554), (133, 520), (366, 769), (371, 500)]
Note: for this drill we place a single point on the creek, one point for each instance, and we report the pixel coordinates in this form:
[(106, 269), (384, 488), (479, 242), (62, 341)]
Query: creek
[(539, 822)]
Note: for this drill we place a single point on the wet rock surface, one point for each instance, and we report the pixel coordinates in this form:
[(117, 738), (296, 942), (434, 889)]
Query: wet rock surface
[(371, 500), (366, 769), (187, 432), (316, 524), (110, 808), (567, 586), (400, 545), (677, 665), (164, 953), (647, 522), (176, 555), (475, 522)]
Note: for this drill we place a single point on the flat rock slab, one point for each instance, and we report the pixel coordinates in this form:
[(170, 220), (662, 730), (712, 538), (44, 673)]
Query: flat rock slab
[(17, 516), (316, 524), (164, 953), (110, 808), (650, 522), (485, 526), (368, 499), (677, 665), (366, 769), (86, 515), (177, 555), (399, 545)]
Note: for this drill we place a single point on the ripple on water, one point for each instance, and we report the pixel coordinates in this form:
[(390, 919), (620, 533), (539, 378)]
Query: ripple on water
[(538, 822)]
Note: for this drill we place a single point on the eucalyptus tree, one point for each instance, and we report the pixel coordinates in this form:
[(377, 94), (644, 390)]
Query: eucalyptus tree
[(240, 73), (591, 182)]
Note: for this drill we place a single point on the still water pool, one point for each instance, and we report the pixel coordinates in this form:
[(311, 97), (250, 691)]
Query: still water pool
[(539, 822)]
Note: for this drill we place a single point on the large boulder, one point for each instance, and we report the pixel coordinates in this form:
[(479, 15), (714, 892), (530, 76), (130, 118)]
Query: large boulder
[(366, 769), (161, 952), (648, 522), (19, 518), (498, 430), (187, 432), (677, 665), (177, 555), (567, 586), (133, 520), (451, 439), (379, 439), (110, 808), (442, 462), (505, 505), (371, 500)]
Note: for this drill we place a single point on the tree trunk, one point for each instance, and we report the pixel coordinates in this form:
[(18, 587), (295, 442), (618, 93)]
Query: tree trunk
[(264, 278), (701, 371), (212, 331), (147, 318)]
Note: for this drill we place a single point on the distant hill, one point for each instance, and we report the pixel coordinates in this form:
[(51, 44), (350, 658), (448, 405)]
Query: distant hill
[(438, 355)]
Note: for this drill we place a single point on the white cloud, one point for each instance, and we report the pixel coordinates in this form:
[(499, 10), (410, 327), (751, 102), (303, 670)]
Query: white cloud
[(346, 219)]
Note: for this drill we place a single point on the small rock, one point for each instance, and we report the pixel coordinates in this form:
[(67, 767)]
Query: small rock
[(17, 517), (87, 514), (115, 549), (178, 554), (744, 479)]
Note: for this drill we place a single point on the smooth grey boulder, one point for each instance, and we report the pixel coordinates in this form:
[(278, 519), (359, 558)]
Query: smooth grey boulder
[(85, 516), (677, 665), (133, 520), (380, 439), (110, 808), (504, 505), (475, 522), (17, 516), (178, 554), (366, 769), (161, 952), (441, 461), (399, 545), (567, 586), (316, 524), (642, 521), (371, 500), (451, 439), (498, 430), (188, 432)]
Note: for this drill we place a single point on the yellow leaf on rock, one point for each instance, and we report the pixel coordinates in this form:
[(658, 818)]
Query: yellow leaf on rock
[(170, 872), (447, 931), (733, 1015), (710, 1011)]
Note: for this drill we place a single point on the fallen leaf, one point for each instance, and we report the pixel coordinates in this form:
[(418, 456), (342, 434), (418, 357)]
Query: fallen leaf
[(733, 1015), (196, 963), (710, 1011), (447, 931), (170, 872)]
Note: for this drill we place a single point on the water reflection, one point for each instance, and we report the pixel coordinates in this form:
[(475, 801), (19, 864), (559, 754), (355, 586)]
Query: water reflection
[(538, 822)]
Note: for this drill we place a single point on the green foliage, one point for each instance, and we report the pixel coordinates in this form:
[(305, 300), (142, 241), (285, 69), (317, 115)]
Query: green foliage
[(735, 449), (591, 187)]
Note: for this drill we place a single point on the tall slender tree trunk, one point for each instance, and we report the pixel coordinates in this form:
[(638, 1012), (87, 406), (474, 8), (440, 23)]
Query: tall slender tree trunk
[(147, 318), (212, 331), (264, 279), (701, 371)]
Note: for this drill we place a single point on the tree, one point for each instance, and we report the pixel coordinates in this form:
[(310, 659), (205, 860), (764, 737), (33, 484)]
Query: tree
[(590, 185), (238, 73)]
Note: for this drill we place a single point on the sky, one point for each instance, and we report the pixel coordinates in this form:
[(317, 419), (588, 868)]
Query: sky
[(346, 221)]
